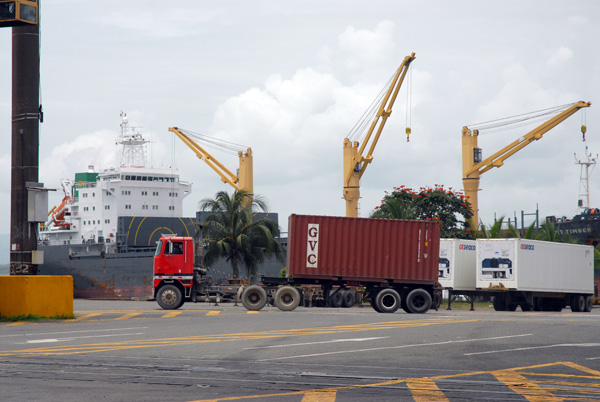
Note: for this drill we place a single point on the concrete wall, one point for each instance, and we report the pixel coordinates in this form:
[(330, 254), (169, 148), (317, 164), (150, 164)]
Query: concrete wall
[(44, 296)]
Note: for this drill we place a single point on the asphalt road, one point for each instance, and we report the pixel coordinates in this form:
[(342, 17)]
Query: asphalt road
[(125, 350)]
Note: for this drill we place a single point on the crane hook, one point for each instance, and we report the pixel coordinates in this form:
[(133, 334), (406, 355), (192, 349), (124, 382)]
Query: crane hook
[(583, 131), (407, 134)]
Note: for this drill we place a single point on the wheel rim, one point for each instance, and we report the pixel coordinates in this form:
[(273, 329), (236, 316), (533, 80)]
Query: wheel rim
[(388, 301), (169, 297)]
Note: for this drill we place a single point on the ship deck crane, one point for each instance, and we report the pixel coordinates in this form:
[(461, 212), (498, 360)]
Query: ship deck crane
[(355, 163), (242, 181), (474, 166)]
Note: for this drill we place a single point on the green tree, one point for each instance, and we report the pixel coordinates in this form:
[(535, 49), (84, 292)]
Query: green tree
[(231, 231), (450, 208)]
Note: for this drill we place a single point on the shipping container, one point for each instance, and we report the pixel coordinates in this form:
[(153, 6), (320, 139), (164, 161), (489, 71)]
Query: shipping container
[(361, 249), (536, 275), (457, 264)]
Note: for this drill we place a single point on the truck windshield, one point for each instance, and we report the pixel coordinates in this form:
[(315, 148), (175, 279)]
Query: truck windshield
[(158, 248)]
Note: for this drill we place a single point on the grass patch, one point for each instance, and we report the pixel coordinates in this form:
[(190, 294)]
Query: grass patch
[(33, 317)]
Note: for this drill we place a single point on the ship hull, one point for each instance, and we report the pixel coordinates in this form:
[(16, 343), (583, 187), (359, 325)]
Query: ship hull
[(101, 276)]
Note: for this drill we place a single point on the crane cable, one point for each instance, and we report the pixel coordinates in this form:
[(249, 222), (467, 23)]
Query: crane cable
[(409, 105), (498, 125), (583, 124), (221, 145), (360, 129)]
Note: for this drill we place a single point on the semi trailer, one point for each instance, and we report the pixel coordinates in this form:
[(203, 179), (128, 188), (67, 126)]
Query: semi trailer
[(535, 275), (390, 263)]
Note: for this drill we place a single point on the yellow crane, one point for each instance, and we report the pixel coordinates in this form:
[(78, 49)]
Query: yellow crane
[(241, 181), (355, 163), (474, 166)]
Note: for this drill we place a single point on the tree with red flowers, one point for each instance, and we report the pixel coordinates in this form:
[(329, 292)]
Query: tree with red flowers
[(450, 208)]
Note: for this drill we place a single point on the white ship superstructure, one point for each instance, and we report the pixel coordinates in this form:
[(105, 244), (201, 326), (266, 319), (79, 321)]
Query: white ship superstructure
[(94, 202)]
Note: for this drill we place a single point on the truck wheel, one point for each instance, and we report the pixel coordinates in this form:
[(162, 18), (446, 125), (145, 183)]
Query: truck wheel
[(348, 298), (418, 301), (373, 303), (387, 301), (254, 298), (336, 299), (169, 297), (287, 298), (589, 304), (578, 303)]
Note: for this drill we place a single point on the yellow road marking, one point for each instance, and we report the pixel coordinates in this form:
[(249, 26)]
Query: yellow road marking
[(320, 395), (127, 316), (522, 386), (14, 324), (425, 390), (214, 312), (252, 312), (172, 314), (151, 343), (86, 317)]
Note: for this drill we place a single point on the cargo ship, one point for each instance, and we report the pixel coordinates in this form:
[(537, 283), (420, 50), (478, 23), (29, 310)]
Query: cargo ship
[(104, 231)]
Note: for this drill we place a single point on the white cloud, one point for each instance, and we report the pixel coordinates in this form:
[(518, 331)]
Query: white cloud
[(561, 55)]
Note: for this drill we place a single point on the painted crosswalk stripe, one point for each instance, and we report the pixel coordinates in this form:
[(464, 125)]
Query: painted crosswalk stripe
[(127, 316), (425, 390), (172, 314)]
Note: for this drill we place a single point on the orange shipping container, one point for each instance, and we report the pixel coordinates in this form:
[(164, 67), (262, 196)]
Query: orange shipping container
[(363, 250)]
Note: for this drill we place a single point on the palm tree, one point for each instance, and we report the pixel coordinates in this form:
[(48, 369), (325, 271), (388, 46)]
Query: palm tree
[(494, 231), (232, 232)]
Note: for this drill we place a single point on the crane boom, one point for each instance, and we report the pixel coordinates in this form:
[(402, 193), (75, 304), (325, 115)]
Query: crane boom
[(474, 167), (355, 163), (245, 180)]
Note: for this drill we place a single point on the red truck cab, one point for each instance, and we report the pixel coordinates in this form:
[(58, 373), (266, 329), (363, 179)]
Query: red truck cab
[(173, 269)]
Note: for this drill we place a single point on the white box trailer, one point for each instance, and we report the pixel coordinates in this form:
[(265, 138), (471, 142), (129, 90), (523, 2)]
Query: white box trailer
[(457, 264), (539, 275)]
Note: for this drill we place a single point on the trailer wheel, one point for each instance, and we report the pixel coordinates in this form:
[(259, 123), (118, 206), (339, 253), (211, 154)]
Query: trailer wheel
[(336, 299), (418, 301), (373, 303), (387, 301), (287, 298), (589, 304), (578, 303), (499, 303), (348, 298), (254, 298), (169, 297)]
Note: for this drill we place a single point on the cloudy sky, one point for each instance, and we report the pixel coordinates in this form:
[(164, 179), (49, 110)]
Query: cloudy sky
[(291, 78)]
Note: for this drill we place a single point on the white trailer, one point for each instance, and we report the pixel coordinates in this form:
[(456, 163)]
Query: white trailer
[(538, 275), (457, 266)]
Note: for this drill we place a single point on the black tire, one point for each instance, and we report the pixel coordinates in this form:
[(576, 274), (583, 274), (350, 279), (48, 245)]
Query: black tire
[(388, 301), (169, 297), (525, 307), (418, 301), (589, 304), (348, 298), (578, 304), (499, 303), (254, 298), (336, 299), (287, 298), (373, 303)]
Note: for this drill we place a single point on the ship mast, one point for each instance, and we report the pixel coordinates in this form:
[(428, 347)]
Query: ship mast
[(584, 179), (134, 149)]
